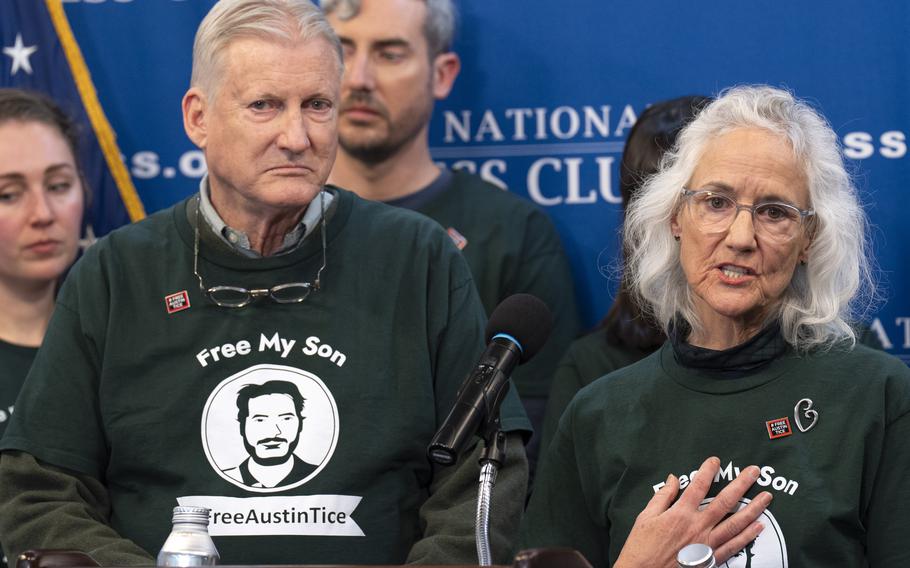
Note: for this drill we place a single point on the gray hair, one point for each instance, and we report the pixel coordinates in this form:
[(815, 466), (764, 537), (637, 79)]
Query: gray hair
[(438, 29), (276, 20), (835, 286)]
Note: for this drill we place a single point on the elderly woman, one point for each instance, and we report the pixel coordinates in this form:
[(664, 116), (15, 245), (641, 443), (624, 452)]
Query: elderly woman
[(41, 205), (748, 247)]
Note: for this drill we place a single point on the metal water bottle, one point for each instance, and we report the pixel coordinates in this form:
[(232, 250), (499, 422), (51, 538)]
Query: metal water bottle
[(189, 543), (696, 556)]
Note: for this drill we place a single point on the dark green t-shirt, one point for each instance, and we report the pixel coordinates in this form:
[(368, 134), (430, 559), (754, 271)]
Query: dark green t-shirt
[(840, 490), (512, 247), (15, 361), (170, 399), (592, 356)]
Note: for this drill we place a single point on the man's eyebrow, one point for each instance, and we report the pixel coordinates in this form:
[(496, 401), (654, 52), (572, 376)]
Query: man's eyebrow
[(380, 43), (391, 42)]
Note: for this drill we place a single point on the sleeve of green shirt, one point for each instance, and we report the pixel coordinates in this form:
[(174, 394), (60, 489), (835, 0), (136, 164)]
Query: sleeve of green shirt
[(42, 506), (448, 515)]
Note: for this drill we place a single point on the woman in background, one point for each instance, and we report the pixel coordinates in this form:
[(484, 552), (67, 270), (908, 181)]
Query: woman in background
[(42, 199), (626, 334)]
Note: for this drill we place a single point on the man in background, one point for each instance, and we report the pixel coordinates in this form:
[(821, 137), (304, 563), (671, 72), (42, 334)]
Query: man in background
[(398, 62)]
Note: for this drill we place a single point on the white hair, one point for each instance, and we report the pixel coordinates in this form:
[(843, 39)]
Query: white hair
[(835, 286), (276, 20)]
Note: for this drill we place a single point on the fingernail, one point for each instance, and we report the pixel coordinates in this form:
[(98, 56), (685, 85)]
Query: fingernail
[(669, 479), (753, 472), (715, 461), (766, 498), (758, 527)]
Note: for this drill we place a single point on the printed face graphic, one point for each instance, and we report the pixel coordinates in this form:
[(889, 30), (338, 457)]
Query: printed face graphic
[(272, 429), (253, 428)]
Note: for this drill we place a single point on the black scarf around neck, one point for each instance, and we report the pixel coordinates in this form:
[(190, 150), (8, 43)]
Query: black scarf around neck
[(739, 361)]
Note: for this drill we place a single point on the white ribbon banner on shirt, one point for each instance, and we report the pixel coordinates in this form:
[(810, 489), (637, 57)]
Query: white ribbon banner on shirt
[(314, 515)]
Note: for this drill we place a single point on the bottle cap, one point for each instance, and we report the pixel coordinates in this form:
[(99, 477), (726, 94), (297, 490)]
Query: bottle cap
[(199, 515)]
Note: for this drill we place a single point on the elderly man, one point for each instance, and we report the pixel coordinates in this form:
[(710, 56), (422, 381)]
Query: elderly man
[(398, 61), (267, 274)]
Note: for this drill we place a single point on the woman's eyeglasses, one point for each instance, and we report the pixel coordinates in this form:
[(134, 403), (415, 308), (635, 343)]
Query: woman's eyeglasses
[(715, 212)]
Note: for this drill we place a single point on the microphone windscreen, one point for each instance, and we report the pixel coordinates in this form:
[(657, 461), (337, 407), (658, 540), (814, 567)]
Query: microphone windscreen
[(524, 317)]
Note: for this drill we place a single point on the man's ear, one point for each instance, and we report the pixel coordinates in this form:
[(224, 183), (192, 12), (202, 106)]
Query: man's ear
[(195, 107), (445, 69)]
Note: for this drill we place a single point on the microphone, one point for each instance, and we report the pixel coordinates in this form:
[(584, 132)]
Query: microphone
[(517, 329)]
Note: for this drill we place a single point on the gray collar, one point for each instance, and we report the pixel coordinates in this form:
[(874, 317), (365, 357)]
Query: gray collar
[(240, 242)]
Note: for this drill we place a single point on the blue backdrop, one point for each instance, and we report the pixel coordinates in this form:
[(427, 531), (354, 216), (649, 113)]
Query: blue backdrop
[(549, 91)]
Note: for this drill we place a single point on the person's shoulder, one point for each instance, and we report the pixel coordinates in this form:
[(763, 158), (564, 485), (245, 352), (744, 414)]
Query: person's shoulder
[(487, 196), (379, 224), (376, 214), (594, 356), (622, 385), (501, 212), (859, 361), (603, 405), (592, 341), (139, 238), (598, 343), (151, 229), (863, 372)]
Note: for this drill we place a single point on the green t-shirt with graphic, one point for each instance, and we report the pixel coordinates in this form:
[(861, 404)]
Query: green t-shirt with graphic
[(302, 426), (840, 490), (512, 247), (15, 361)]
